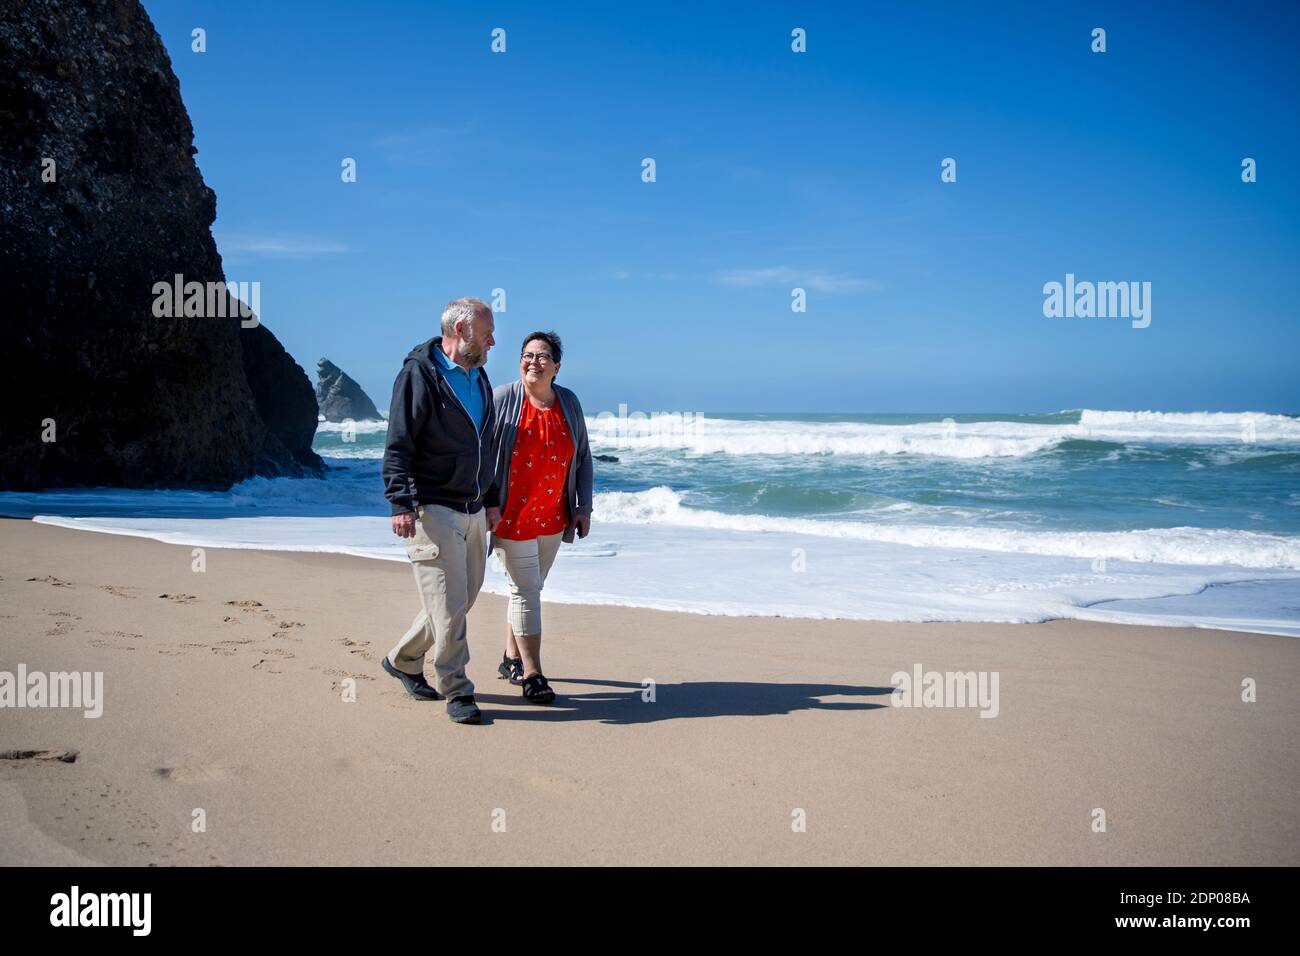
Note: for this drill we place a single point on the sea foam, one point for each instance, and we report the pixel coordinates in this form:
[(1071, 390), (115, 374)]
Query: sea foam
[(947, 438), (1194, 546)]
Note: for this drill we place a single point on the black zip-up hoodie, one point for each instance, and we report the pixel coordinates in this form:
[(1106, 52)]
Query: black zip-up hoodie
[(433, 455)]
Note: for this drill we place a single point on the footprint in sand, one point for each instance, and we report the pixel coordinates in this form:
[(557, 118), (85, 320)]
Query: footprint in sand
[(99, 642), (285, 628), (51, 579), (62, 756), (337, 685), (245, 605), (179, 649), (274, 655), (62, 624), (194, 773), (179, 598), (118, 590), (226, 648), (334, 671), (252, 607), (358, 647)]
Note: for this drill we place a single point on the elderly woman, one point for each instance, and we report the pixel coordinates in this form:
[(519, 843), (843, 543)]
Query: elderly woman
[(543, 484)]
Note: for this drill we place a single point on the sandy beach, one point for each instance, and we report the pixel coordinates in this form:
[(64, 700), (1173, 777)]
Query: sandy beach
[(224, 692)]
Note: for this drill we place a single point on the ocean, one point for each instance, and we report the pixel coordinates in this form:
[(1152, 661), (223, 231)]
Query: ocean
[(1141, 517)]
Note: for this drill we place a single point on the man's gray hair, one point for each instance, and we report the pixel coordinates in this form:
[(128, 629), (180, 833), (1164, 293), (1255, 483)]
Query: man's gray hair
[(462, 309)]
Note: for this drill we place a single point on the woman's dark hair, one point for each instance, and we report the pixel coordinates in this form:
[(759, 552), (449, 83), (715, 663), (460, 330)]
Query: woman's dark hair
[(550, 338)]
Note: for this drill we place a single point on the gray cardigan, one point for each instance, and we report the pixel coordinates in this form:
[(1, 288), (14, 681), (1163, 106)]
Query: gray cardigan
[(508, 401)]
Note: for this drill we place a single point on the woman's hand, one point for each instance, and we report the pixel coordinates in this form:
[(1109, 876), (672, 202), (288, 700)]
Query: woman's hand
[(493, 518)]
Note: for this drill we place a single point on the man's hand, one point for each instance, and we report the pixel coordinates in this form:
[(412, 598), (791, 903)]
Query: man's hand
[(583, 524), (493, 518), (404, 525)]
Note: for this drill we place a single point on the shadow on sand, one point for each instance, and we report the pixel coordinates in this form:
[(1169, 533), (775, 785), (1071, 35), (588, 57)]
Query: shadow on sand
[(620, 702)]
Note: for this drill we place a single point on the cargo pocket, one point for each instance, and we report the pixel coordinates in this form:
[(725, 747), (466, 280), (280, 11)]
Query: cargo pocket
[(421, 547)]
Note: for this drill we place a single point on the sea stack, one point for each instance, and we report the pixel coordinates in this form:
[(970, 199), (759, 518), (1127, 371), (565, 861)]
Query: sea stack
[(340, 398), (101, 203)]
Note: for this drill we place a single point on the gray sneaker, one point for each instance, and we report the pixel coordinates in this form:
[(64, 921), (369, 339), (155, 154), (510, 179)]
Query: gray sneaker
[(415, 684), (463, 710)]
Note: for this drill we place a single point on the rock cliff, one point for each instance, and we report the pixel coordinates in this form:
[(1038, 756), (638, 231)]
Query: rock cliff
[(339, 397), (100, 200)]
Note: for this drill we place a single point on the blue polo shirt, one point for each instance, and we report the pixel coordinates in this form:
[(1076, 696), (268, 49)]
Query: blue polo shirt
[(465, 385)]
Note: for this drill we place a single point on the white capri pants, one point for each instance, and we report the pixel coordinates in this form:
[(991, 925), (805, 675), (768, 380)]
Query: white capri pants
[(527, 563)]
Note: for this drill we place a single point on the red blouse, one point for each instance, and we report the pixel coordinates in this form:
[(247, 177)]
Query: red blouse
[(539, 468)]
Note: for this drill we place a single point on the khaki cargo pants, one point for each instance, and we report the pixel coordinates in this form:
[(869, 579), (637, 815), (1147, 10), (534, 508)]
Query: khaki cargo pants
[(449, 557)]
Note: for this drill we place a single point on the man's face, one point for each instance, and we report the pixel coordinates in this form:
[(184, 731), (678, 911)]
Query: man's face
[(477, 340)]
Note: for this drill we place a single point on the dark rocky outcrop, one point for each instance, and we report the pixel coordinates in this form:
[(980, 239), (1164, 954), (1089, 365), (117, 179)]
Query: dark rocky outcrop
[(135, 400), (289, 412), (339, 397)]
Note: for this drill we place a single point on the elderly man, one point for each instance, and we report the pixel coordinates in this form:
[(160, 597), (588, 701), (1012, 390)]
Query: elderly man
[(438, 468)]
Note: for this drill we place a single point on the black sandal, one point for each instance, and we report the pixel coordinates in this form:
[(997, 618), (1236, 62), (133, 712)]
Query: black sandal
[(537, 691), (511, 669)]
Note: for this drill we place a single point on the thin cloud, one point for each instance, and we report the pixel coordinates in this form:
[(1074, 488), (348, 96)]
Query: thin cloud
[(275, 246), (421, 146), (786, 276), (622, 275)]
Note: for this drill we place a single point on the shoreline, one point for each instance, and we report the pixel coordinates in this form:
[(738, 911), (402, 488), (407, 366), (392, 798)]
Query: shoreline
[(1085, 610), (217, 703)]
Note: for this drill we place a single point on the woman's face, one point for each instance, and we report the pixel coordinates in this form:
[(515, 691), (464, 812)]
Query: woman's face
[(537, 366)]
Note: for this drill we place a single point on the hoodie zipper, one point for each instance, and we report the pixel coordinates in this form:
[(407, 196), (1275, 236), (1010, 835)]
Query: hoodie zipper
[(478, 435)]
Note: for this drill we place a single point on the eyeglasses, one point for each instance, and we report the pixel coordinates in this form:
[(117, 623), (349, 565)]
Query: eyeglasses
[(540, 357)]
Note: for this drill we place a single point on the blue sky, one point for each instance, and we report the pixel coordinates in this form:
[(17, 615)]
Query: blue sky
[(522, 171)]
